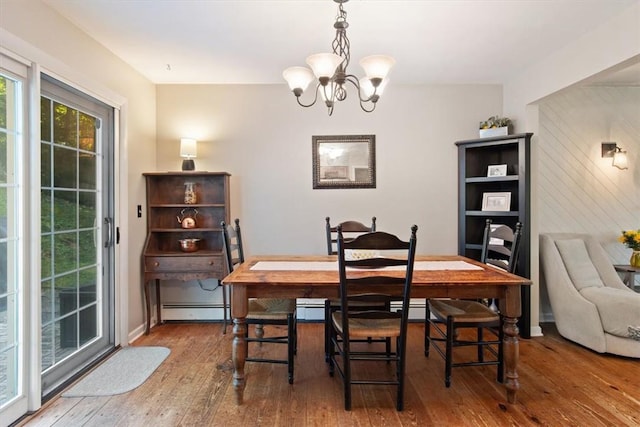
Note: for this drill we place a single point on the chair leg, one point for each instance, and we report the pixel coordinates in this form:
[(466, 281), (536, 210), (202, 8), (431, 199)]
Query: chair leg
[(332, 349), (427, 329), (346, 361), (401, 361), (327, 329), (291, 339), (501, 354), (480, 347), (259, 333), (449, 352)]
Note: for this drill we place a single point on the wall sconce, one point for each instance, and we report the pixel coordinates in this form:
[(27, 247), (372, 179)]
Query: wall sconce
[(611, 149), (188, 150)]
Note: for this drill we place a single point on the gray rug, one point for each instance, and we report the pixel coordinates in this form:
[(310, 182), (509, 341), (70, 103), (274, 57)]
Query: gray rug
[(122, 372)]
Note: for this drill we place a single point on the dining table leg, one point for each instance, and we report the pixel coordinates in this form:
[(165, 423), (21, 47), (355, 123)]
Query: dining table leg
[(239, 309), (511, 311)]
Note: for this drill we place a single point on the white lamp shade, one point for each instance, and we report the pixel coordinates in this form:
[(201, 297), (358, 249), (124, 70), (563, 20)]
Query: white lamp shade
[(324, 64), (377, 66), (188, 148), (367, 89), (298, 77), (620, 159), (326, 92)]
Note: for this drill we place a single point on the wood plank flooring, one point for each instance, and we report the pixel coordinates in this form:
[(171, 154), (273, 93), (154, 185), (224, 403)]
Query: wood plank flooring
[(562, 384)]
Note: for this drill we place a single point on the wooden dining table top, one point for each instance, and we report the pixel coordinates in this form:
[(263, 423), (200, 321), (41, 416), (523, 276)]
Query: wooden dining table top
[(246, 274)]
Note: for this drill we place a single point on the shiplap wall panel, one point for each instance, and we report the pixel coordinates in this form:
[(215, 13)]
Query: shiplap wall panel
[(578, 190)]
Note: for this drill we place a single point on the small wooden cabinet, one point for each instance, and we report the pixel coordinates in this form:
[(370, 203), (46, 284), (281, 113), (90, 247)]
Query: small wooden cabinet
[(474, 158), (167, 205)]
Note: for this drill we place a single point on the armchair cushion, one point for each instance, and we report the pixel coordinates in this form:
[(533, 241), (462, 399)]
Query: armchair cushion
[(618, 308), (578, 264)]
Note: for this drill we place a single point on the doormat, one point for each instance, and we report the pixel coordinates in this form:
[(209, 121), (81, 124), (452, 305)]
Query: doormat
[(124, 371)]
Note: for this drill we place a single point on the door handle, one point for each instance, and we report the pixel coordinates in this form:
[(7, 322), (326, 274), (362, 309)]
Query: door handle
[(109, 226)]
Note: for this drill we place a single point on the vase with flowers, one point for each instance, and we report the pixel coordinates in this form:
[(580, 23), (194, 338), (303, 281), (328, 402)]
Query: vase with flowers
[(631, 238)]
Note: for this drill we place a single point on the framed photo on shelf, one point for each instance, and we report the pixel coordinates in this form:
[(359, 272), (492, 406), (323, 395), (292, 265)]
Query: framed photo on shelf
[(497, 170), (499, 202)]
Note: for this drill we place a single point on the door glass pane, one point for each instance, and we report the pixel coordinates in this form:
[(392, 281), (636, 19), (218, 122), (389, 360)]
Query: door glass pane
[(70, 280), (65, 170), (65, 125)]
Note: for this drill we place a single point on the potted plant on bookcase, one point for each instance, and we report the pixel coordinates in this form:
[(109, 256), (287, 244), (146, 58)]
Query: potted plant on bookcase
[(495, 126)]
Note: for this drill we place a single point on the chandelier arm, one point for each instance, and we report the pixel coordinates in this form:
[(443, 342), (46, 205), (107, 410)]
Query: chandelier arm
[(314, 99), (363, 106)]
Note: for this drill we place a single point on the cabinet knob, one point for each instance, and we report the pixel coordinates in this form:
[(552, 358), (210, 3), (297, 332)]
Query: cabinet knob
[(210, 262), (156, 264)]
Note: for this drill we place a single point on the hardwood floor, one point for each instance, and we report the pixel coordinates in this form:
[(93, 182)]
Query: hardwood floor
[(562, 384)]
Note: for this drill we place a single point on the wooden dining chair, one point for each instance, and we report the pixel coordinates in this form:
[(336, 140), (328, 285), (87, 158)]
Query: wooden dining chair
[(351, 323), (350, 230), (500, 248), (263, 311)]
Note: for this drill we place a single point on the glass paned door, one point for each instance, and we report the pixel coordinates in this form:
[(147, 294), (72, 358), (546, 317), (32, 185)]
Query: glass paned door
[(11, 223), (76, 250)]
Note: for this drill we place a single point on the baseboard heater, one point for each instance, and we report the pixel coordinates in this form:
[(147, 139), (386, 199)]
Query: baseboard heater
[(312, 310), (182, 311)]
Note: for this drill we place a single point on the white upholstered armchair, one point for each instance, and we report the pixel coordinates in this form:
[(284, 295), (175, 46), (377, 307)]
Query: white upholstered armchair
[(590, 304)]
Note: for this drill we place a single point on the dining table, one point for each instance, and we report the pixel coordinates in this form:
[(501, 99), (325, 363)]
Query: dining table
[(316, 276)]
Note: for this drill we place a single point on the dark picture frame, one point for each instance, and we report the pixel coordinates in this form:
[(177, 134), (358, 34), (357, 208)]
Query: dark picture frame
[(344, 161)]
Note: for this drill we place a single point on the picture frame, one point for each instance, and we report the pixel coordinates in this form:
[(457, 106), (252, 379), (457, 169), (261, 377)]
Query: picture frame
[(496, 202), (344, 161), (496, 170)]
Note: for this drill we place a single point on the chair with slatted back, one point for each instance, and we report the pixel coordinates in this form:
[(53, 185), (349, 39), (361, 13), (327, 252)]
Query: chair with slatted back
[(500, 248), (263, 311), (350, 230), (378, 286)]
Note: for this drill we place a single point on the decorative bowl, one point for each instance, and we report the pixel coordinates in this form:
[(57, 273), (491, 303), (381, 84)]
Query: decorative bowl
[(189, 245)]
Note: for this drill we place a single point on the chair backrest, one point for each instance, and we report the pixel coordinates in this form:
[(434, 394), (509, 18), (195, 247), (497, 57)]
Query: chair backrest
[(232, 242), (390, 251), (350, 229), (501, 245)]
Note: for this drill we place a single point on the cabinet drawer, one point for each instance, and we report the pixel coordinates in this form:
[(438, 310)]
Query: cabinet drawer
[(184, 263)]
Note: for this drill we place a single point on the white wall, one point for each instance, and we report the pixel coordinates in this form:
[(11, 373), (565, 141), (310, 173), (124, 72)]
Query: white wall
[(611, 46), (263, 138), (579, 191), (35, 32)]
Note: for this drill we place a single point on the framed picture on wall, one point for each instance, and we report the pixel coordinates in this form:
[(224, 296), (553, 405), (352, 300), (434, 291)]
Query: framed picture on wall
[(344, 161)]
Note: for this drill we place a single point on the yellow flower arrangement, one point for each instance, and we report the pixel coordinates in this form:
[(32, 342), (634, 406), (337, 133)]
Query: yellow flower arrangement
[(631, 238)]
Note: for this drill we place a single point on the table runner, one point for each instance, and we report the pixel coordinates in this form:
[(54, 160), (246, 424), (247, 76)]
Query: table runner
[(333, 265)]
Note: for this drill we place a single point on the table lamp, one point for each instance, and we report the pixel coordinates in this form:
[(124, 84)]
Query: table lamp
[(189, 151)]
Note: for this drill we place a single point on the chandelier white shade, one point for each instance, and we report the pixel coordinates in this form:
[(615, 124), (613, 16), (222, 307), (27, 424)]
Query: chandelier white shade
[(377, 66), (330, 70), (298, 78)]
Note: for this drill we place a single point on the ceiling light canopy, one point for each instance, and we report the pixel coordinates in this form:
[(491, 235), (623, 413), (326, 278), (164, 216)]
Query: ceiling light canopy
[(330, 70)]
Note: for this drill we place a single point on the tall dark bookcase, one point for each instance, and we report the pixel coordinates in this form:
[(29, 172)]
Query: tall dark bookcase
[(474, 158)]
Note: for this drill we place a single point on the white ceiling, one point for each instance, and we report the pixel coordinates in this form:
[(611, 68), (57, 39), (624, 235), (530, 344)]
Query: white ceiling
[(252, 41)]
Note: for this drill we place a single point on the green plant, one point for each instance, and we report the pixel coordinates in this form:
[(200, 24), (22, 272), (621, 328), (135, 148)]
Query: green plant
[(495, 122)]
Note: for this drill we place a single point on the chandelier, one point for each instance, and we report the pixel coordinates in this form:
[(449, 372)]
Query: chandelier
[(331, 71)]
